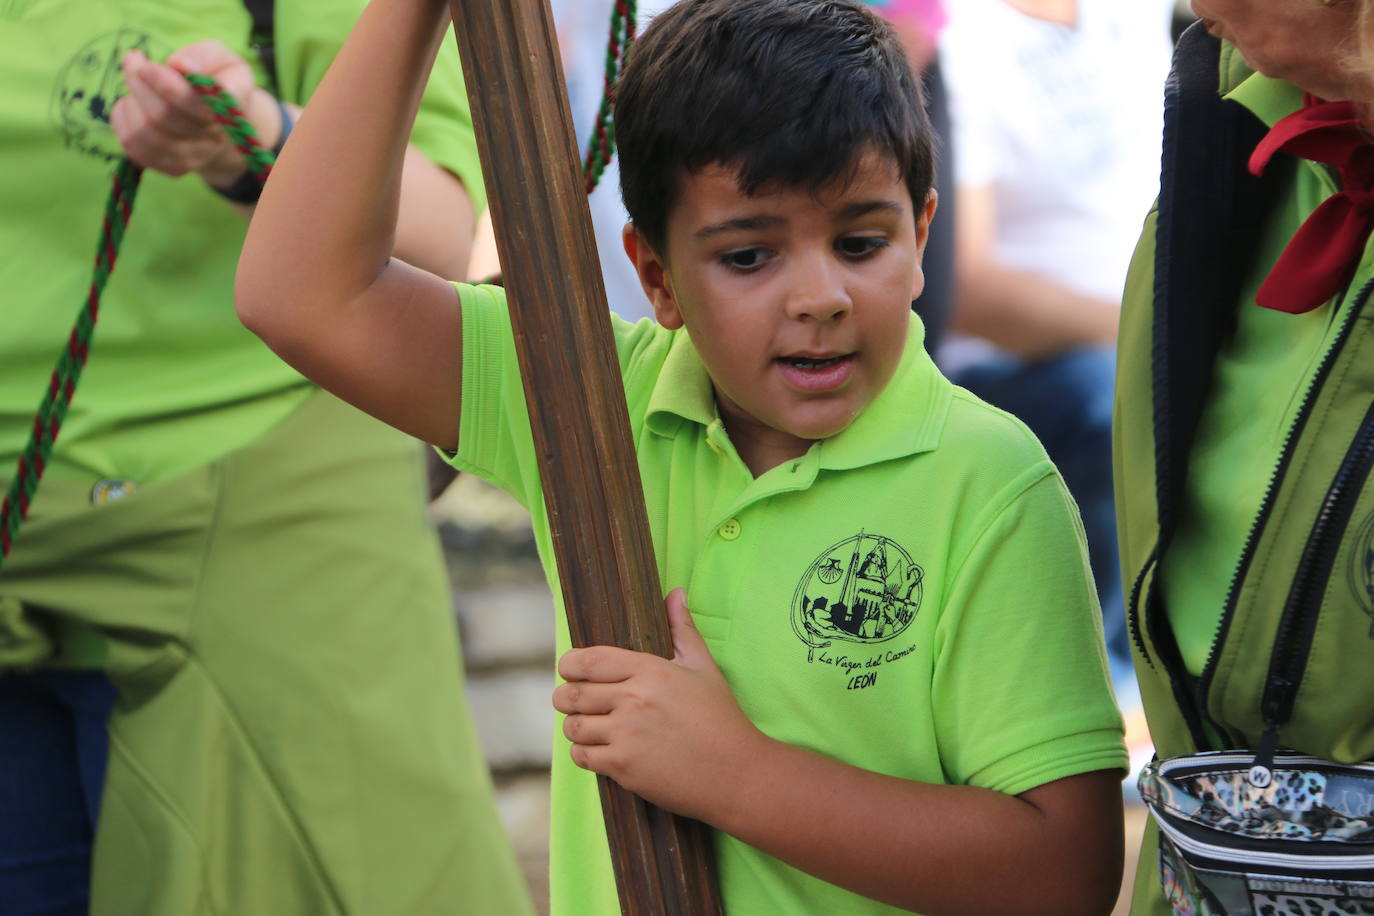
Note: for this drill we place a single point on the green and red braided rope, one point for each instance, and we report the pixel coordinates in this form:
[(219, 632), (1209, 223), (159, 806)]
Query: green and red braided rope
[(601, 146), (53, 409), (119, 206), (229, 116)]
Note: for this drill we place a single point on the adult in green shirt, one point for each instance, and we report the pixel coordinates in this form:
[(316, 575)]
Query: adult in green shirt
[(244, 558), (1243, 424)]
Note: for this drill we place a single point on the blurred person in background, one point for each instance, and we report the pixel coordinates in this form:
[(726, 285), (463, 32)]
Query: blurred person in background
[(919, 23), (225, 567), (1057, 120), (1242, 439)]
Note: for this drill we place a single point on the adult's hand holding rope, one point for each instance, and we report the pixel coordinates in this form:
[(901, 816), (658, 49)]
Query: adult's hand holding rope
[(163, 122)]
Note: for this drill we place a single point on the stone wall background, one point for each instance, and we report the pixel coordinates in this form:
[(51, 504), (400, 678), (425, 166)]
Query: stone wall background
[(505, 620)]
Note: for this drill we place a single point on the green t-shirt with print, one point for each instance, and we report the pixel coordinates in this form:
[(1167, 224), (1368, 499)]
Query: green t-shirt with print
[(174, 380), (910, 597)]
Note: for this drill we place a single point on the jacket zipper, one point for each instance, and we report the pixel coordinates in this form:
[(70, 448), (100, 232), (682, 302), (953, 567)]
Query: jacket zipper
[(1266, 506), (1133, 606), (1298, 625)]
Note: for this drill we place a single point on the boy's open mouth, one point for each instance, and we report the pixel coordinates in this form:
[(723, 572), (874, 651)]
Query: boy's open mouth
[(803, 362), (810, 373)]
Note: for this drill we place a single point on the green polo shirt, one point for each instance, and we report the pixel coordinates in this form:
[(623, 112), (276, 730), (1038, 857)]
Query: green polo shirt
[(174, 380), (910, 596), (1260, 376)]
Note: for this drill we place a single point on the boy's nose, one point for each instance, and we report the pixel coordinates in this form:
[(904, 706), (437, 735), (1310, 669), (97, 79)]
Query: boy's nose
[(818, 291)]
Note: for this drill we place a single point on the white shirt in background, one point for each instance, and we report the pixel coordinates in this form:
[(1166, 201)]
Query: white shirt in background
[(1064, 124)]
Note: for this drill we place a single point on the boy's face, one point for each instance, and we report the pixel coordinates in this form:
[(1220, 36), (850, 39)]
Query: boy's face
[(798, 302)]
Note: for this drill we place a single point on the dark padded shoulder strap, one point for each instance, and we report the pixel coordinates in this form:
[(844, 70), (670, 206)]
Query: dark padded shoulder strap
[(264, 37), (1211, 215)]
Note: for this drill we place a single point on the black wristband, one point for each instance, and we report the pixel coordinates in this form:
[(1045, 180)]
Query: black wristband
[(247, 189)]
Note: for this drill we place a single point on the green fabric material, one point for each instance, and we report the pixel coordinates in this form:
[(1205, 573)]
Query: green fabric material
[(24, 642), (174, 380), (1251, 408), (1262, 374), (991, 672), (290, 736), (1268, 99)]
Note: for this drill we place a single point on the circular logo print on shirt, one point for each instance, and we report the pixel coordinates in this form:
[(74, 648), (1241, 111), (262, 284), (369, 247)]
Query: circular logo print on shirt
[(88, 87), (864, 589), (1361, 565)]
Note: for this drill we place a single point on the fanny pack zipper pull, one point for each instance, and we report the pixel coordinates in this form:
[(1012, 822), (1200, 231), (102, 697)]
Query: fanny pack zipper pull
[(1262, 770)]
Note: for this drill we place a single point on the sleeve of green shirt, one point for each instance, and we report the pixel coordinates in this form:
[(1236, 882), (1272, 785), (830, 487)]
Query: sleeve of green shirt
[(1021, 693), (494, 439), (309, 35)]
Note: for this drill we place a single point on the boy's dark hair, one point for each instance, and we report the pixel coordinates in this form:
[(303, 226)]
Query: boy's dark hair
[(788, 92)]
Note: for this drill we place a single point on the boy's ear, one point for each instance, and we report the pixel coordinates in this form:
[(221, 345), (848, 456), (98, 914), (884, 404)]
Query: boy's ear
[(923, 218), (653, 276)]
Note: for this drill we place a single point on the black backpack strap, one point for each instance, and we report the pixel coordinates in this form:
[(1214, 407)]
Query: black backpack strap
[(263, 38), (1212, 212)]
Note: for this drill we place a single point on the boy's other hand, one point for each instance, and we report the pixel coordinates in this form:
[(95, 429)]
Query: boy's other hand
[(163, 124), (668, 730)]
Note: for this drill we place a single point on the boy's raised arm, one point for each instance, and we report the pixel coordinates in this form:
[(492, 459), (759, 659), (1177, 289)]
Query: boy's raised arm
[(316, 280)]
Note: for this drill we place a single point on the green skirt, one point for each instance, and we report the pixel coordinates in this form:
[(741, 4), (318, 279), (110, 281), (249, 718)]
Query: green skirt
[(291, 736)]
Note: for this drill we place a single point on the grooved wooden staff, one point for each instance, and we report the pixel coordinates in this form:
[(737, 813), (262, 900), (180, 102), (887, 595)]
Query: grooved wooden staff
[(577, 407)]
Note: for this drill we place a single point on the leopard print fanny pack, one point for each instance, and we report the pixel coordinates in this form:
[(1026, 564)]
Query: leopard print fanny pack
[(1235, 839)]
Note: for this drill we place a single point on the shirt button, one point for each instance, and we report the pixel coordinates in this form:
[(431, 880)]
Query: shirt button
[(729, 530)]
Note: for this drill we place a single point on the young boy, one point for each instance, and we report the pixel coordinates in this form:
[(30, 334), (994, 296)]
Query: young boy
[(890, 690)]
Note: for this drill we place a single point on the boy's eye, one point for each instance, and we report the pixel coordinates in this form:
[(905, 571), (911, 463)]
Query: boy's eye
[(858, 246), (745, 259)]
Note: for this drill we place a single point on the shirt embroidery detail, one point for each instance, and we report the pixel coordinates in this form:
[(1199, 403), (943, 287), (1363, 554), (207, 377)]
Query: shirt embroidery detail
[(863, 590)]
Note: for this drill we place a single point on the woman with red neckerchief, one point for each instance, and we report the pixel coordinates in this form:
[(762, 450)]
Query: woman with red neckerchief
[(1243, 446)]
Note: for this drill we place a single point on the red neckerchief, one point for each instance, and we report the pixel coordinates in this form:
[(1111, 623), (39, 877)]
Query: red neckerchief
[(1323, 254)]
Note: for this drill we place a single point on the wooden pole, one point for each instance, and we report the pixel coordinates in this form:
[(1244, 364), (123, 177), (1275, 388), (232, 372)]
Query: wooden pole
[(592, 490)]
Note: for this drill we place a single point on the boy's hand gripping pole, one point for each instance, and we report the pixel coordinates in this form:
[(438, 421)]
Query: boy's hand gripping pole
[(592, 490)]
